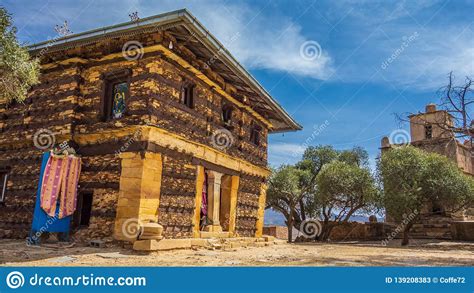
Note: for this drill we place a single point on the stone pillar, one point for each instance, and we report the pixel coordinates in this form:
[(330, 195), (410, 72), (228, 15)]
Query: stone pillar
[(198, 201), (261, 210), (233, 204), (139, 194), (213, 199)]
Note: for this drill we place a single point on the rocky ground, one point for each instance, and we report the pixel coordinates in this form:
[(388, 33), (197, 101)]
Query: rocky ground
[(419, 253)]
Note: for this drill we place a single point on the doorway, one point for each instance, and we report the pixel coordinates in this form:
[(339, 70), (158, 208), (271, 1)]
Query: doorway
[(83, 210)]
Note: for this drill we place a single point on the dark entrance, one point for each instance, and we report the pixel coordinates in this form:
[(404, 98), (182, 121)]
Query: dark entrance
[(83, 210)]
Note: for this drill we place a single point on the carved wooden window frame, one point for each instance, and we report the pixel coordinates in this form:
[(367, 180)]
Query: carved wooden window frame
[(4, 174), (256, 134), (109, 80), (187, 94), (226, 115)]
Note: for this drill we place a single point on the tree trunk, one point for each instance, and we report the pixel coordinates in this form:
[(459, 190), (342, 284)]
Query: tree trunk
[(406, 231), (290, 226)]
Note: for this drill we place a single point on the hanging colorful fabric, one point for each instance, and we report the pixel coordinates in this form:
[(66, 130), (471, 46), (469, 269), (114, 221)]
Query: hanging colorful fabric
[(52, 179), (68, 198), (60, 180)]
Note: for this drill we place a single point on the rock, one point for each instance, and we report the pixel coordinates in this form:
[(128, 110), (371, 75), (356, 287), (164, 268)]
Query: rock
[(268, 238), (97, 243), (169, 244), (145, 245), (63, 259), (112, 255), (152, 229)]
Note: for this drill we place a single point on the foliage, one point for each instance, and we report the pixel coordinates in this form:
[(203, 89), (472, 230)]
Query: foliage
[(413, 179), (17, 72), (344, 188), (294, 190)]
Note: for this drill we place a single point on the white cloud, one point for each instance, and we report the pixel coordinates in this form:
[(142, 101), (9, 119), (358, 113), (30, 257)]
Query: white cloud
[(284, 153), (258, 39)]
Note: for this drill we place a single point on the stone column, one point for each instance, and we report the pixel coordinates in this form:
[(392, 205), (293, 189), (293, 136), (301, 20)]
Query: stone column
[(139, 194), (213, 199), (261, 210)]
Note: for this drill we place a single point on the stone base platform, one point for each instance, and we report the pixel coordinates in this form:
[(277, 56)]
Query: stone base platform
[(207, 243)]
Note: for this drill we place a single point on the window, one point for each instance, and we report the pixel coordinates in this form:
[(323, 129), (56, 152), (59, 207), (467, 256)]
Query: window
[(187, 95), (428, 131), (255, 134), (227, 115), (3, 184), (116, 94)]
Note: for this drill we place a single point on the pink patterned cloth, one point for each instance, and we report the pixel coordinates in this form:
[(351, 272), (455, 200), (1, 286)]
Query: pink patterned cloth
[(60, 180), (204, 197)]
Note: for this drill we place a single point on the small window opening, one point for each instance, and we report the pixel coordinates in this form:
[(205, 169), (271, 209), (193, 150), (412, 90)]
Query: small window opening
[(187, 95), (3, 184), (227, 115), (255, 133), (428, 131)]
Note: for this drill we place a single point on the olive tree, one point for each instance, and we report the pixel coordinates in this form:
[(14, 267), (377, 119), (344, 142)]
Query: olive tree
[(343, 189), (413, 179), (285, 192), (17, 71), (303, 201)]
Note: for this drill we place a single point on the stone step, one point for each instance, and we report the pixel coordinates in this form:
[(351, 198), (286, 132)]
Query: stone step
[(207, 235)]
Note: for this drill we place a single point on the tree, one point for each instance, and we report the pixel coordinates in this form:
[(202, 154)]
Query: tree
[(458, 101), (285, 191), (413, 179), (302, 203), (17, 71), (344, 188)]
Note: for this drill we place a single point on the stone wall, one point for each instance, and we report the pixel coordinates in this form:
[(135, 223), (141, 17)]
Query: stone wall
[(280, 232)]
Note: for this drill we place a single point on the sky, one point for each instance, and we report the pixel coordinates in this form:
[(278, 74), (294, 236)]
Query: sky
[(342, 69)]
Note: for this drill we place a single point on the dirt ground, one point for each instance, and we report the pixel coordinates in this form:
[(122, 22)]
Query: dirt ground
[(419, 253)]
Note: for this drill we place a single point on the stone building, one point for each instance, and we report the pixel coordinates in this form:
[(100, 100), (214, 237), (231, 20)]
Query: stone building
[(426, 133), (160, 113)]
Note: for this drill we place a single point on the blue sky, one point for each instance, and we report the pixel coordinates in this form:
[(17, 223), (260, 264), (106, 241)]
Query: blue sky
[(372, 58)]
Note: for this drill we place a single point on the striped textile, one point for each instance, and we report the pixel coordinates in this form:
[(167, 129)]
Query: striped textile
[(60, 181)]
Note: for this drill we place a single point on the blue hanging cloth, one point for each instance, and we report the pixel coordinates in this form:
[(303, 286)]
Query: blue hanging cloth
[(41, 221)]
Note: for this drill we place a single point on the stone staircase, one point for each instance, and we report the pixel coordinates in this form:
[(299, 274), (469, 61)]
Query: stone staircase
[(433, 227)]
